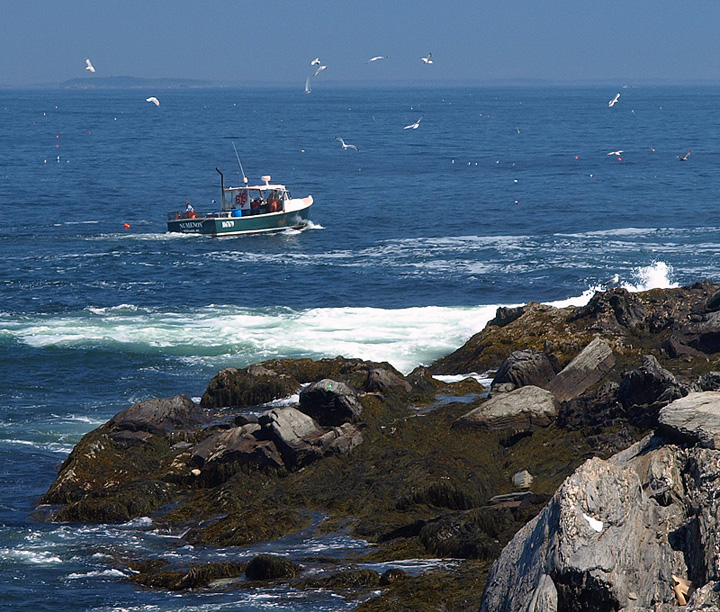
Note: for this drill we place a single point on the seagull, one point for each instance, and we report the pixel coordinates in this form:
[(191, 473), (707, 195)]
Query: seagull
[(346, 146), (315, 62), (684, 157), (414, 126), (154, 100), (376, 58), (319, 70), (614, 101), (615, 152), (428, 59), (89, 66)]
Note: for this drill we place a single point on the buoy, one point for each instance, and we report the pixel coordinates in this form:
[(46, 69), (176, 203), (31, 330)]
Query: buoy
[(127, 226), (619, 158)]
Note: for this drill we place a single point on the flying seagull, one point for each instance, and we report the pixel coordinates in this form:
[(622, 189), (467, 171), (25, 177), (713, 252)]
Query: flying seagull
[(315, 62), (154, 100), (614, 100), (376, 58), (684, 157), (346, 146), (428, 59), (615, 152), (319, 70), (414, 126), (89, 66)]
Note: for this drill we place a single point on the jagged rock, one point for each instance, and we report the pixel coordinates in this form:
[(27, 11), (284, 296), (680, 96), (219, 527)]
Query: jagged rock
[(709, 382), (381, 381), (596, 541), (693, 419), (525, 368), (587, 369), (330, 402), (299, 438), (160, 416), (596, 408), (271, 567), (697, 338), (521, 411), (221, 455), (504, 315), (644, 391), (613, 310)]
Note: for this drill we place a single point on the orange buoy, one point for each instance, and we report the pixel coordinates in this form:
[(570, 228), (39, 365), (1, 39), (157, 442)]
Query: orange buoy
[(127, 226)]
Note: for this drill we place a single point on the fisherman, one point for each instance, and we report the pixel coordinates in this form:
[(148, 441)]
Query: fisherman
[(188, 208)]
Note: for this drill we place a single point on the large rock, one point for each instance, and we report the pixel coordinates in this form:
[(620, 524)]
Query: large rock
[(694, 418), (698, 338), (521, 411), (525, 368), (587, 369), (330, 402), (160, 416), (614, 310), (612, 537), (252, 386)]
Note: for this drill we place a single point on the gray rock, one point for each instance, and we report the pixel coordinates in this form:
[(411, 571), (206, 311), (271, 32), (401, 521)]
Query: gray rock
[(161, 416), (330, 402), (614, 535), (522, 480), (694, 418), (523, 410), (587, 369), (525, 368)]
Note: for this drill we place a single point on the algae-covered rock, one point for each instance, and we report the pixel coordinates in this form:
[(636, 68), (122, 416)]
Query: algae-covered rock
[(271, 567), (331, 403)]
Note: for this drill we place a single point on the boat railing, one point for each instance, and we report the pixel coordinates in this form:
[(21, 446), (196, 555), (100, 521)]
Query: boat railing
[(182, 216)]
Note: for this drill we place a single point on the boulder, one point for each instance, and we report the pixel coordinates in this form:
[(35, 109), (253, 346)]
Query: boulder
[(160, 416), (522, 480), (603, 541), (332, 403), (615, 310), (524, 368), (698, 338), (505, 315), (587, 369), (271, 567), (521, 411), (693, 419), (252, 386)]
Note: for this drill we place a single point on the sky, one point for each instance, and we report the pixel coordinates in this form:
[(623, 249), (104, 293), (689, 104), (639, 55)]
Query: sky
[(244, 42)]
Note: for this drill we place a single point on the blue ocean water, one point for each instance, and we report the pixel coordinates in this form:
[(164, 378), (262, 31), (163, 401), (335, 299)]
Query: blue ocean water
[(501, 196)]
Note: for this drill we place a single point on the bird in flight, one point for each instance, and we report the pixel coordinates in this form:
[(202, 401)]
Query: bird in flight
[(319, 70), (613, 102), (315, 62), (154, 100), (346, 146), (428, 59), (615, 152), (414, 126), (376, 58), (89, 66), (684, 157)]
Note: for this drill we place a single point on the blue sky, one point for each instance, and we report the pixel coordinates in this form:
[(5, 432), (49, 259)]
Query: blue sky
[(273, 41)]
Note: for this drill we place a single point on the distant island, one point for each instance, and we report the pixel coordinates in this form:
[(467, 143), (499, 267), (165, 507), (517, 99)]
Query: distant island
[(128, 82)]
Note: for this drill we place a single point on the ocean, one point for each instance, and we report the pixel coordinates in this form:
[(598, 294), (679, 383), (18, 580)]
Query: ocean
[(501, 196)]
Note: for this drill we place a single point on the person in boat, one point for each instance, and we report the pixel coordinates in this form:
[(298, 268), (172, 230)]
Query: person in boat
[(273, 201), (255, 205), (189, 211)]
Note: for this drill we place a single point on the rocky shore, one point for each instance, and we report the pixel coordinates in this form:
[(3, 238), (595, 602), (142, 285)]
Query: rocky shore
[(583, 478)]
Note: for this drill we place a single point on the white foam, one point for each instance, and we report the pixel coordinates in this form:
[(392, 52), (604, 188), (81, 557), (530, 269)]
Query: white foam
[(108, 573), (31, 557)]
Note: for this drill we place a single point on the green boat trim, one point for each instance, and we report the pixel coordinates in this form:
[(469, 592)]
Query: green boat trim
[(245, 210)]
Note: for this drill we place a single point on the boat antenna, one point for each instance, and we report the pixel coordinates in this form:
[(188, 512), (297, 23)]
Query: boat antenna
[(245, 179)]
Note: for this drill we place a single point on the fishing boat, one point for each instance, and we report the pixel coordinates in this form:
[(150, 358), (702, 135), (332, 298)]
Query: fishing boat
[(250, 209)]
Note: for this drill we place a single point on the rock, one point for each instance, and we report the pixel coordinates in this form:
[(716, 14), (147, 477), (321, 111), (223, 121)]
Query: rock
[(160, 416), (586, 370), (709, 382), (391, 576), (331, 403), (521, 411), (299, 438), (693, 419), (504, 315), (271, 567), (619, 533), (697, 338), (596, 408), (522, 480), (252, 386), (383, 381), (614, 310), (525, 368), (645, 390)]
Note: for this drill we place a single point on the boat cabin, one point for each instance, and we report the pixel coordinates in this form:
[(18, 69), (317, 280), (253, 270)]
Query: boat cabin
[(254, 200)]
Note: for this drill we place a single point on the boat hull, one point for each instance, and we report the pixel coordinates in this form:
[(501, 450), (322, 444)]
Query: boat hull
[(235, 226)]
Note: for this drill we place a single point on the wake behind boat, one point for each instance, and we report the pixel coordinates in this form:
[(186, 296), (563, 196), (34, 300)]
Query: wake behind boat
[(245, 210)]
